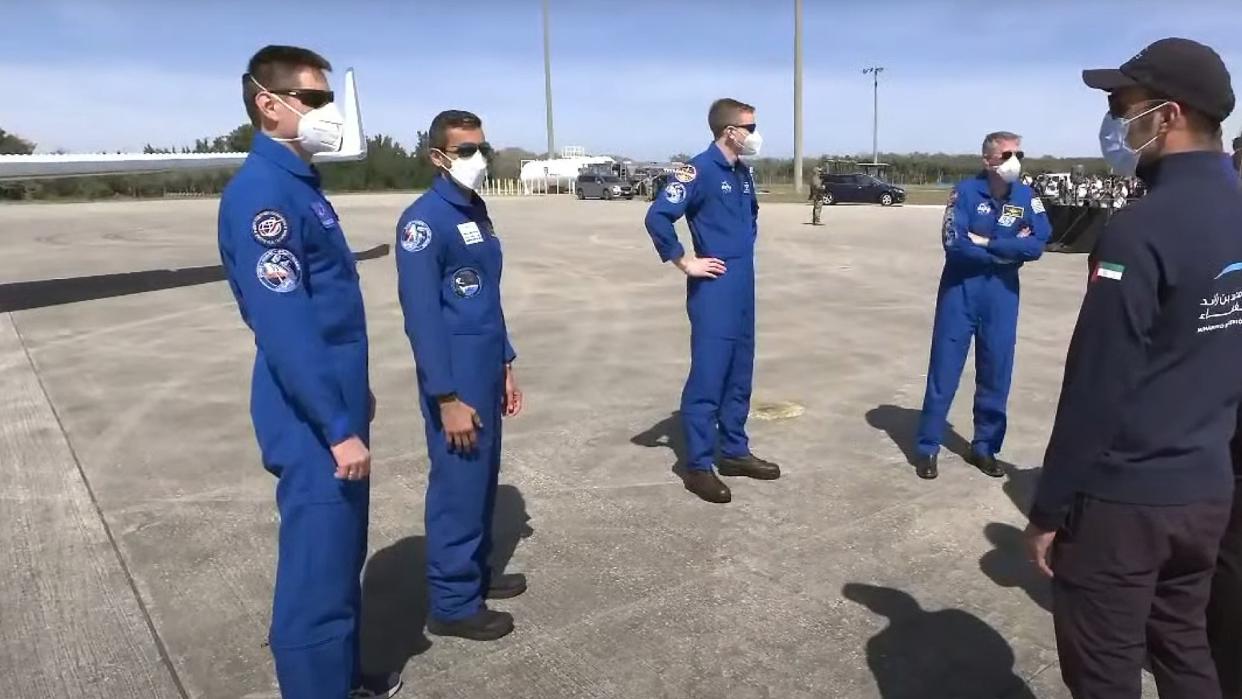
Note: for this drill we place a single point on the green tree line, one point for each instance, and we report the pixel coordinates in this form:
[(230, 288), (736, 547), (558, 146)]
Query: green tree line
[(917, 168)]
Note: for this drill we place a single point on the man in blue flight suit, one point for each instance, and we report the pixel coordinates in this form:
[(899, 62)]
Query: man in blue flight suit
[(294, 279), (992, 225), (448, 277), (716, 194)]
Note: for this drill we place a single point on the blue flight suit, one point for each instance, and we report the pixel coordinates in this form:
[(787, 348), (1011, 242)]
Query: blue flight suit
[(978, 298), (719, 203), (296, 285), (448, 278)]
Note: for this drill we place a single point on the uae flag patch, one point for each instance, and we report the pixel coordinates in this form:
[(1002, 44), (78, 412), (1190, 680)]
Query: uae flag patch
[(1109, 270)]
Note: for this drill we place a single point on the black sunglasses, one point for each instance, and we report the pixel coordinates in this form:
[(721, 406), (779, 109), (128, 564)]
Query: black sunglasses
[(467, 150), (748, 127), (1006, 155), (311, 98)]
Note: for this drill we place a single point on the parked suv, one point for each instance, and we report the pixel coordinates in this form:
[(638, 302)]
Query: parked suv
[(861, 188), (598, 186)]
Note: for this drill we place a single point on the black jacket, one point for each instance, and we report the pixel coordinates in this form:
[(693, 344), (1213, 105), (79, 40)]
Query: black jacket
[(1153, 377)]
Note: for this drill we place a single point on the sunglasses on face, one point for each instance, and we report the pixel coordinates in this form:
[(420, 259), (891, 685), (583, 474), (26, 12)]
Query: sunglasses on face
[(747, 127), (466, 150), (1119, 110), (311, 98), (1006, 155)]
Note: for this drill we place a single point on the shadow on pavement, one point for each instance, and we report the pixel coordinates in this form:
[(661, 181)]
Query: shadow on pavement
[(22, 296), (929, 655), (902, 424), (1020, 484), (1007, 564), (394, 587), (667, 433)]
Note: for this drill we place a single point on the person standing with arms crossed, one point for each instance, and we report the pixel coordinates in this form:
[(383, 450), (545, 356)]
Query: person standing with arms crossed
[(993, 224), (1137, 481), (448, 280), (717, 196), (293, 276)]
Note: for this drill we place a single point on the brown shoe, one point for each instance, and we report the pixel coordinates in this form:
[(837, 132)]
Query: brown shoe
[(750, 466), (706, 485)]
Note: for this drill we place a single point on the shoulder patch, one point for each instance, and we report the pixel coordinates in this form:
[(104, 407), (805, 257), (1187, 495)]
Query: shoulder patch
[(278, 270), (675, 192), (416, 236), (269, 227), (686, 174), (1037, 205), (467, 283)]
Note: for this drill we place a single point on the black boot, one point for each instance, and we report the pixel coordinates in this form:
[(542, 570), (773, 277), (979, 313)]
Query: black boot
[(750, 466), (485, 625), (986, 463), (506, 586), (707, 486), (926, 468)]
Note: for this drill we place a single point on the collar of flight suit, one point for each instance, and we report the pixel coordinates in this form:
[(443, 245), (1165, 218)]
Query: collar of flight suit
[(984, 186), (448, 190), (281, 156), (717, 156)]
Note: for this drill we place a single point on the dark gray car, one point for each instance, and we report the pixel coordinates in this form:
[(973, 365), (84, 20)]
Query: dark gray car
[(596, 186)]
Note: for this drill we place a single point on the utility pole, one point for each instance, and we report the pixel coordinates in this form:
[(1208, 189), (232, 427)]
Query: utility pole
[(547, 80), (875, 111), (797, 96)]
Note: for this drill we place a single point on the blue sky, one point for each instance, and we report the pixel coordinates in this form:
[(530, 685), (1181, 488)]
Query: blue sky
[(629, 76)]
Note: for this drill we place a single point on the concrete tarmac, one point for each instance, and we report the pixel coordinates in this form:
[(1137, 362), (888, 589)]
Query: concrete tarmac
[(138, 528)]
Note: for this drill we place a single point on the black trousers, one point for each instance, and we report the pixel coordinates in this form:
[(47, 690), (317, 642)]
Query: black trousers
[(1132, 582), (1224, 613)]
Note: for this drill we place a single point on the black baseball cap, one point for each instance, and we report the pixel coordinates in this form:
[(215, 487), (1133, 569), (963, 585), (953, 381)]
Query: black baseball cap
[(1181, 70)]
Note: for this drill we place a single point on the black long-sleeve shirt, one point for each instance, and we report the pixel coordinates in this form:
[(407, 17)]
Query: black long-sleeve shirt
[(1153, 376)]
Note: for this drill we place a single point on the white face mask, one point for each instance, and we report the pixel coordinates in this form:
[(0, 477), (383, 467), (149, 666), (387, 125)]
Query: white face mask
[(320, 130), (1010, 170), (752, 144), (468, 172)]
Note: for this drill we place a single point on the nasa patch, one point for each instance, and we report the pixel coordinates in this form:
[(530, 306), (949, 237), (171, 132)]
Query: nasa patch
[(686, 174), (467, 283), (269, 227), (324, 213), (675, 192), (416, 236), (279, 270), (725, 187), (984, 208)]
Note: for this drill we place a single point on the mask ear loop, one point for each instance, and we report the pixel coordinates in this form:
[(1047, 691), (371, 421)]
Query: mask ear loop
[(286, 105), (1138, 116)]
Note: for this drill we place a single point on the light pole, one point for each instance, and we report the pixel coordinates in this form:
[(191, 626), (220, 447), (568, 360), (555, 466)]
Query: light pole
[(875, 111), (547, 80), (797, 96)]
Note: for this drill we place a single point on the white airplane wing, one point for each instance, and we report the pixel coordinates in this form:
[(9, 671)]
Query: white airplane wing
[(21, 167)]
